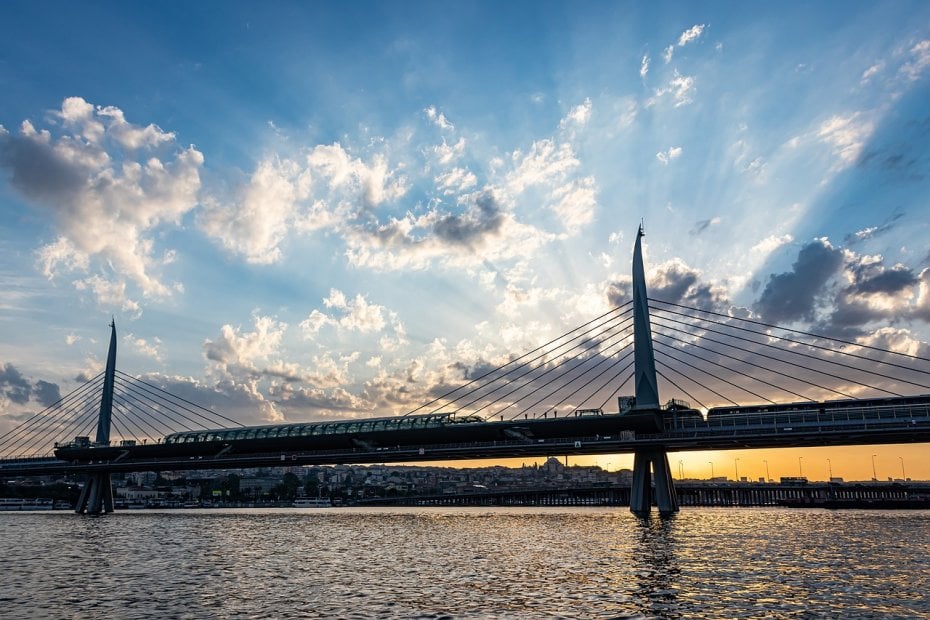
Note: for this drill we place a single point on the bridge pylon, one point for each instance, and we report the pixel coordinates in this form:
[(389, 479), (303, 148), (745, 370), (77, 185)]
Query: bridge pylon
[(97, 495), (652, 477)]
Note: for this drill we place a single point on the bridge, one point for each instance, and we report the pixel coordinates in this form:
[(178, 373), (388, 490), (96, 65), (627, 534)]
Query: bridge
[(548, 401)]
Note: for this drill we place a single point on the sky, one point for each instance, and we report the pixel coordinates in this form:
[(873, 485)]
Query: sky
[(301, 211)]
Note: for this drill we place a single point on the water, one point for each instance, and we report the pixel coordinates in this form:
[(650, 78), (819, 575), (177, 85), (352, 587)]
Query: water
[(466, 563)]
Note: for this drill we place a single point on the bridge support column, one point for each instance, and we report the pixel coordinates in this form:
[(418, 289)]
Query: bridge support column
[(650, 467), (96, 496)]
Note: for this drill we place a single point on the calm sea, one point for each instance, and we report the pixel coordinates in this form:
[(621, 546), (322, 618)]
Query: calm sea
[(466, 563)]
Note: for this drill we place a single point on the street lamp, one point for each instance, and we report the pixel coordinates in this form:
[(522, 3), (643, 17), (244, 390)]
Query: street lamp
[(874, 476), (830, 468), (736, 467), (711, 463), (903, 477), (800, 472), (767, 476), (681, 470)]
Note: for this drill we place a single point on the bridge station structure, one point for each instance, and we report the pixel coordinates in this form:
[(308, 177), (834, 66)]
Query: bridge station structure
[(513, 410)]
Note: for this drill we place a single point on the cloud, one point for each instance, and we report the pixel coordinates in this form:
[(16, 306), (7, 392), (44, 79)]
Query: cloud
[(446, 154), (107, 192), (148, 348), (919, 60), (675, 282), (351, 315), (793, 295), (235, 348), (872, 71), (456, 181), (680, 87), (771, 243), (16, 388), (691, 34), (688, 36), (644, 66), (575, 203), (578, 115), (672, 153), (703, 225), (870, 232), (847, 135), (259, 222), (439, 119)]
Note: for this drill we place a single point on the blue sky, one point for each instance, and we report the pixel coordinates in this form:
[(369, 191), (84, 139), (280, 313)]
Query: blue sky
[(304, 210)]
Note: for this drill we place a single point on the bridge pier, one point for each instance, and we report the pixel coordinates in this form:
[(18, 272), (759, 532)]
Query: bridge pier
[(96, 496), (652, 479)]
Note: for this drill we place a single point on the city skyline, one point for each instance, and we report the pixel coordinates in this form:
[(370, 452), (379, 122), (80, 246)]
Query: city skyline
[(317, 212)]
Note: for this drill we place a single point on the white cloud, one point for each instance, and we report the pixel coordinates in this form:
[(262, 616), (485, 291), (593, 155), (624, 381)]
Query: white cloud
[(109, 293), (106, 193), (668, 155), (456, 181), (575, 203), (919, 60), (145, 347), (872, 71), (351, 315), (544, 163), (771, 243), (256, 226), (847, 136), (578, 115), (679, 87), (644, 66), (668, 53), (235, 348), (438, 118), (691, 34), (446, 154)]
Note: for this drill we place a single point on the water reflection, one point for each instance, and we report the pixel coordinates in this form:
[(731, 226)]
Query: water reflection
[(465, 563), (656, 568)]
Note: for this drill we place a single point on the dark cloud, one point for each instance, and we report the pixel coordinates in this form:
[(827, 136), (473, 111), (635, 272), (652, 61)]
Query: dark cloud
[(483, 219), (677, 283), (793, 295), (19, 389), (874, 231), (618, 293), (888, 281), (702, 225), (46, 393), (15, 387), (36, 170)]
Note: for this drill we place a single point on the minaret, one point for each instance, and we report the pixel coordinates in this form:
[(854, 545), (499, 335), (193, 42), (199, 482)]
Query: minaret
[(650, 466)]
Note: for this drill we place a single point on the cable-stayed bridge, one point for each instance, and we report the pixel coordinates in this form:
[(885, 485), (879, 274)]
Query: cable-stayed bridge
[(736, 383)]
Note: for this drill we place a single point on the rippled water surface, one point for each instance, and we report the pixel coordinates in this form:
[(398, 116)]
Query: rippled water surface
[(466, 563)]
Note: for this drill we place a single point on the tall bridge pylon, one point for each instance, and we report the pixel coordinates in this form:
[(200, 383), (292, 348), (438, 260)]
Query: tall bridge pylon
[(652, 477), (97, 494)]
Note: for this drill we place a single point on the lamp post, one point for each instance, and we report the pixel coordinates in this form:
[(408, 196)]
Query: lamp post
[(830, 468), (767, 476), (903, 477), (711, 463), (800, 471), (681, 470), (736, 467), (874, 476)]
